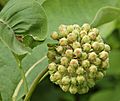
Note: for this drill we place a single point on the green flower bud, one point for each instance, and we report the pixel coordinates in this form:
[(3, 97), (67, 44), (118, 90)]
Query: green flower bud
[(69, 53), (52, 78), (73, 81), (75, 32), (63, 30), (97, 62), (103, 55), (76, 45), (83, 90), (74, 63), (58, 82), (92, 35), (84, 55), (90, 83), (71, 37), (78, 52), (57, 75), (59, 49), (70, 28), (62, 27), (76, 27), (83, 33), (92, 56), (93, 69), (86, 27), (101, 46), (52, 66), (95, 30), (73, 89), (71, 70), (99, 75), (54, 36), (80, 79), (85, 39), (80, 71), (107, 48), (96, 46), (85, 63), (62, 69), (63, 41), (65, 88), (65, 80), (51, 55), (86, 47), (64, 61), (105, 64), (99, 39)]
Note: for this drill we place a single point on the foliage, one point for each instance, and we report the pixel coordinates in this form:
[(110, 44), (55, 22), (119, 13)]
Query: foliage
[(32, 21)]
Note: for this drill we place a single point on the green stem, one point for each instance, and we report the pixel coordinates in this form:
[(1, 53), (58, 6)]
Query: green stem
[(40, 77), (22, 75)]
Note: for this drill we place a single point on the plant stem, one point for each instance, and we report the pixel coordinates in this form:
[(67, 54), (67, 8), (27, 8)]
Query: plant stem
[(22, 75), (40, 77)]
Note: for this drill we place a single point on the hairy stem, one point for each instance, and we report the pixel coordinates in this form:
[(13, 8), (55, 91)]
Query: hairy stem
[(38, 79)]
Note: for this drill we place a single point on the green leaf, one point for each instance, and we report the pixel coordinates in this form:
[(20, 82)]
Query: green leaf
[(33, 64), (25, 17), (8, 38), (71, 12), (114, 62), (105, 15), (9, 73)]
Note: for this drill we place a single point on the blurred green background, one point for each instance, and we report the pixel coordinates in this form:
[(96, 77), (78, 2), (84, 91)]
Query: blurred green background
[(107, 89)]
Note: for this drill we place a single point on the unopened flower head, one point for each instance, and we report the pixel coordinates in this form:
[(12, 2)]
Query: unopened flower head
[(78, 58)]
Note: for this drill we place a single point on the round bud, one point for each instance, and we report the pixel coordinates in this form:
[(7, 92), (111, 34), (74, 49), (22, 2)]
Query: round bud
[(65, 88), (54, 36), (86, 47), (97, 61), (105, 64), (80, 71), (71, 37), (92, 56), (99, 38), (90, 83), (59, 49), (61, 68), (80, 79), (83, 33), (69, 53), (107, 48), (83, 90), (73, 80), (70, 69), (96, 46), (92, 35), (103, 55), (65, 80), (85, 39), (74, 63), (52, 66), (99, 75), (63, 41), (57, 75), (85, 63), (52, 78), (70, 28), (86, 27), (77, 27), (73, 89), (78, 52), (84, 56), (95, 30), (93, 69), (64, 61), (63, 30), (76, 45), (75, 32), (62, 27), (51, 55), (101, 46)]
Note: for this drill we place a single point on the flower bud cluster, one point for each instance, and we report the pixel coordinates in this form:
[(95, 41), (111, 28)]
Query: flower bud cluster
[(79, 58)]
